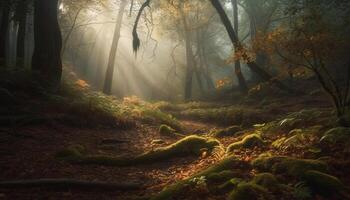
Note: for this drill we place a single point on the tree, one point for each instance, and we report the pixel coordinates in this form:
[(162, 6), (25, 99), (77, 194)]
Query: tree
[(112, 55), (48, 43), (238, 46), (21, 19), (313, 41), (5, 19), (241, 80), (234, 39)]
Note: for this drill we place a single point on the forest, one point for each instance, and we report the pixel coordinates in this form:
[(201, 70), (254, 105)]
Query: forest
[(175, 99)]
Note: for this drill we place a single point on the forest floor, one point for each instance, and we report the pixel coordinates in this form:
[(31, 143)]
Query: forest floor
[(288, 126)]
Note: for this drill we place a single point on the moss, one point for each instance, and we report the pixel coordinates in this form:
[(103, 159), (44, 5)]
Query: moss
[(266, 180), (288, 165), (227, 115), (248, 191), (191, 145), (248, 141), (322, 183), (73, 152), (150, 114), (171, 191), (230, 131), (229, 185), (166, 130), (221, 176)]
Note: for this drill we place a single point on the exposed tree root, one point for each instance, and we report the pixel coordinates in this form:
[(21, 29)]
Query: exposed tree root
[(191, 145), (68, 183)]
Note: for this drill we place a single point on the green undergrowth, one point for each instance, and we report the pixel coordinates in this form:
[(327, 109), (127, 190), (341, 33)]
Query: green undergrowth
[(173, 107), (76, 104), (304, 119), (288, 165), (231, 115), (190, 145), (230, 131), (170, 192)]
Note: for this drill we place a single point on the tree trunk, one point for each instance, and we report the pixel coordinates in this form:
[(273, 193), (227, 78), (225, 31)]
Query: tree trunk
[(251, 64), (47, 43), (107, 88), (22, 22), (5, 18), (189, 59), (241, 80)]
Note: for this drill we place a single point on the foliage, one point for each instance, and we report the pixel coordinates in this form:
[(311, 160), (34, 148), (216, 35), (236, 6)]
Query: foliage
[(172, 191), (322, 183), (288, 165)]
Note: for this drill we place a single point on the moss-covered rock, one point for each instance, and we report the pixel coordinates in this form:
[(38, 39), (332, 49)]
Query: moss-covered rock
[(248, 141), (322, 183), (288, 165), (166, 130), (230, 131), (248, 191)]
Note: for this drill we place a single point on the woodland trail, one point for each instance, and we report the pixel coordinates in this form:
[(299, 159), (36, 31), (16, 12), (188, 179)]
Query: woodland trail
[(33, 158)]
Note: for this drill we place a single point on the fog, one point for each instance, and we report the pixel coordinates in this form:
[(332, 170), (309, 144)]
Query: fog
[(157, 71)]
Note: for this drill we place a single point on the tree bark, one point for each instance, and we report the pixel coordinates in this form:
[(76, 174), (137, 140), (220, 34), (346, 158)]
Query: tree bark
[(22, 22), (189, 59), (107, 88), (234, 39), (47, 43), (241, 80), (5, 18)]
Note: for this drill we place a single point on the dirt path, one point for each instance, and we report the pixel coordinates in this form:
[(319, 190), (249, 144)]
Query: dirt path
[(33, 158)]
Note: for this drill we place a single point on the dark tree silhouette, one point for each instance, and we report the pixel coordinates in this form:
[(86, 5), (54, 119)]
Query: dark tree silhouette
[(21, 18), (5, 11), (48, 43)]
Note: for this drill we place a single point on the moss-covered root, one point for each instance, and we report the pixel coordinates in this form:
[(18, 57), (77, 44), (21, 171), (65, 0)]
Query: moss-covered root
[(288, 165), (173, 190), (248, 141), (191, 145), (166, 130), (248, 191), (324, 184)]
